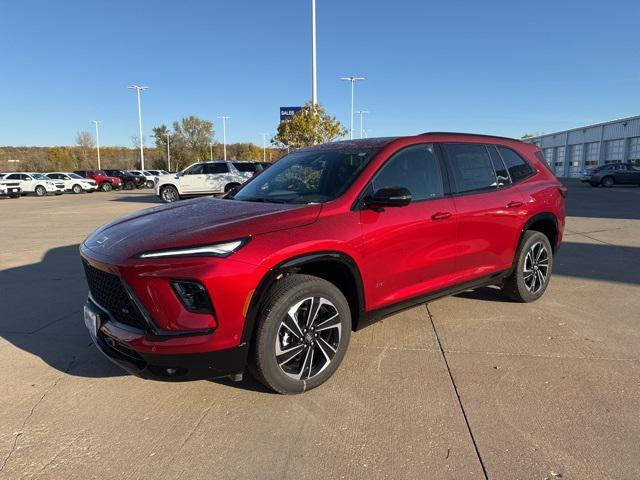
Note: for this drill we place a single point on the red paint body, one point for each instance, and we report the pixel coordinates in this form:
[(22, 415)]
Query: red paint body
[(400, 253), (100, 178)]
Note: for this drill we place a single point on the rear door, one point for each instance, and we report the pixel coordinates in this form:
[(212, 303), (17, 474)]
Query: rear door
[(489, 208), (408, 251), (217, 177)]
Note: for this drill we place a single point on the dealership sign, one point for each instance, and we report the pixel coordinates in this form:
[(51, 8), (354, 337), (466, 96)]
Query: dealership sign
[(286, 113)]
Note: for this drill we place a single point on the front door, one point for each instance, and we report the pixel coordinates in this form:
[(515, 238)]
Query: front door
[(194, 179), (408, 251)]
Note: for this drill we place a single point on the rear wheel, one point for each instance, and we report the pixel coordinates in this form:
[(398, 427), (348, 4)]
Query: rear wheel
[(76, 189), (40, 191), (230, 186), (608, 182), (302, 335), (534, 264), (129, 186), (169, 194), (149, 184), (106, 187)]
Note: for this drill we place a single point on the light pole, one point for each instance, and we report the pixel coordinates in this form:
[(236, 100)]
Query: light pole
[(353, 79), (98, 122), (168, 134), (361, 113), (314, 72), (139, 89), (224, 134), (264, 146), (211, 151)]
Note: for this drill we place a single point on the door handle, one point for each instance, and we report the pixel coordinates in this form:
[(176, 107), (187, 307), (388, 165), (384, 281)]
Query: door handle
[(514, 204), (440, 216)]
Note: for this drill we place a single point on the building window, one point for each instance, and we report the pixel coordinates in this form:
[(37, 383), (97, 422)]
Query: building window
[(548, 155), (593, 153), (614, 151), (634, 149), (576, 155), (560, 156)]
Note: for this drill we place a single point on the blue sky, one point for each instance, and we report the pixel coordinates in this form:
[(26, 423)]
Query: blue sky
[(500, 67)]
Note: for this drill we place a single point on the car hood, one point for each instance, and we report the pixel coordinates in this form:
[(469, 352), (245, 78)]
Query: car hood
[(199, 221)]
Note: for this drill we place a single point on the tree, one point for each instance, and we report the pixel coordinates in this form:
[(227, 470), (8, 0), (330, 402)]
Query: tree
[(61, 158), (310, 126), (189, 141), (85, 143)]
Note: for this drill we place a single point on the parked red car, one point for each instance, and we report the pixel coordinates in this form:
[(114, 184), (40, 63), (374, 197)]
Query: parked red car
[(327, 240), (104, 181)]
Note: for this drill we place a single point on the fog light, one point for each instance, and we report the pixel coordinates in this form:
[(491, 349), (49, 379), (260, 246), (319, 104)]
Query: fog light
[(193, 296)]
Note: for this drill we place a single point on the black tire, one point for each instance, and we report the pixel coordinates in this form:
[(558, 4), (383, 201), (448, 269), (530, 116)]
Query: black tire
[(15, 196), (230, 186), (320, 347), (169, 194), (149, 184), (594, 184), (76, 189), (106, 187), (129, 185), (518, 285), (608, 182), (40, 191)]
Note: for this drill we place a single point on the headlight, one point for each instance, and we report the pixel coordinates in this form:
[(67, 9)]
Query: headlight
[(214, 250)]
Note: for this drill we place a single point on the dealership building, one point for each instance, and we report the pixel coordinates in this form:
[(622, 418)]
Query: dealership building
[(571, 151)]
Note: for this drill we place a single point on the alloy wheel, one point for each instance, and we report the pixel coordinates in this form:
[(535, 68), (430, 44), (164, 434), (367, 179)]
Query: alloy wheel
[(169, 194), (536, 267), (308, 338)]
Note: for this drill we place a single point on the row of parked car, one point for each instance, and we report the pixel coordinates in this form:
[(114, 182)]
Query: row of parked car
[(201, 178)]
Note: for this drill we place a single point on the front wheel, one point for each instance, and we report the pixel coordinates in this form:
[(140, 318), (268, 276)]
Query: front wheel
[(534, 264), (608, 182), (40, 191), (302, 334), (169, 194), (129, 186), (106, 187), (77, 189)]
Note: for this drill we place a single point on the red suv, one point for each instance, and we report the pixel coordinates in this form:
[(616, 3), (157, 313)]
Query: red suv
[(104, 181), (329, 239)]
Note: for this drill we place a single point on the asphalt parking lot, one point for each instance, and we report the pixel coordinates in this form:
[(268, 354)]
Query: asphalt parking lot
[(468, 387)]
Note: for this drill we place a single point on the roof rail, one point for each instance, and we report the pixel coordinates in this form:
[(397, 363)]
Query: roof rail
[(470, 135)]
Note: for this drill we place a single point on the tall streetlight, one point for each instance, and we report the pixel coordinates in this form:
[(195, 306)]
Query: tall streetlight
[(224, 133), (168, 134), (211, 151), (314, 72), (361, 113), (139, 89), (98, 122), (353, 79), (264, 146)]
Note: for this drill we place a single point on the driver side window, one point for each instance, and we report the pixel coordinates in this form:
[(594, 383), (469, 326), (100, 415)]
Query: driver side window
[(415, 168), (197, 169)]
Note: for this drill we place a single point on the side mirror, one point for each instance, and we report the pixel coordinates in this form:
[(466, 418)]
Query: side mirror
[(388, 197)]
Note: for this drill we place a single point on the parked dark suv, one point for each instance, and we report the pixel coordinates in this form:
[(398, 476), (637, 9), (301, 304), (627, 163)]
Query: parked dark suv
[(325, 241), (613, 174), (129, 181)]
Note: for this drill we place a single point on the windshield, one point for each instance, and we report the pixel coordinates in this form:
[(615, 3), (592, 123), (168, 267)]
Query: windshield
[(311, 176), (74, 175), (39, 176)]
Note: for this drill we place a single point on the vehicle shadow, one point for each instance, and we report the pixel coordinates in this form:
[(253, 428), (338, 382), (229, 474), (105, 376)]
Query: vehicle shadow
[(149, 198), (42, 314)]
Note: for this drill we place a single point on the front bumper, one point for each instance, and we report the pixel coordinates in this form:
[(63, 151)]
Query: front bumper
[(114, 342)]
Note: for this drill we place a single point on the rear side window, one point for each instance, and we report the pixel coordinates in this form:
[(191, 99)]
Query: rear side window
[(517, 166), (245, 166), (415, 168), (213, 168), (471, 167), (502, 174)]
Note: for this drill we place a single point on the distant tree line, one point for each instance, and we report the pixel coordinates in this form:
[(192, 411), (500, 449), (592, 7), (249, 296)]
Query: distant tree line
[(191, 139)]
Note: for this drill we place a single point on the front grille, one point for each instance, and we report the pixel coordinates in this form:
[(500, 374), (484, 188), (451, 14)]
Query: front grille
[(108, 291)]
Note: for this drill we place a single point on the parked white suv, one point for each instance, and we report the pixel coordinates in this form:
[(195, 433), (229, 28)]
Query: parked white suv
[(36, 183), (203, 178), (10, 188), (74, 182)]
